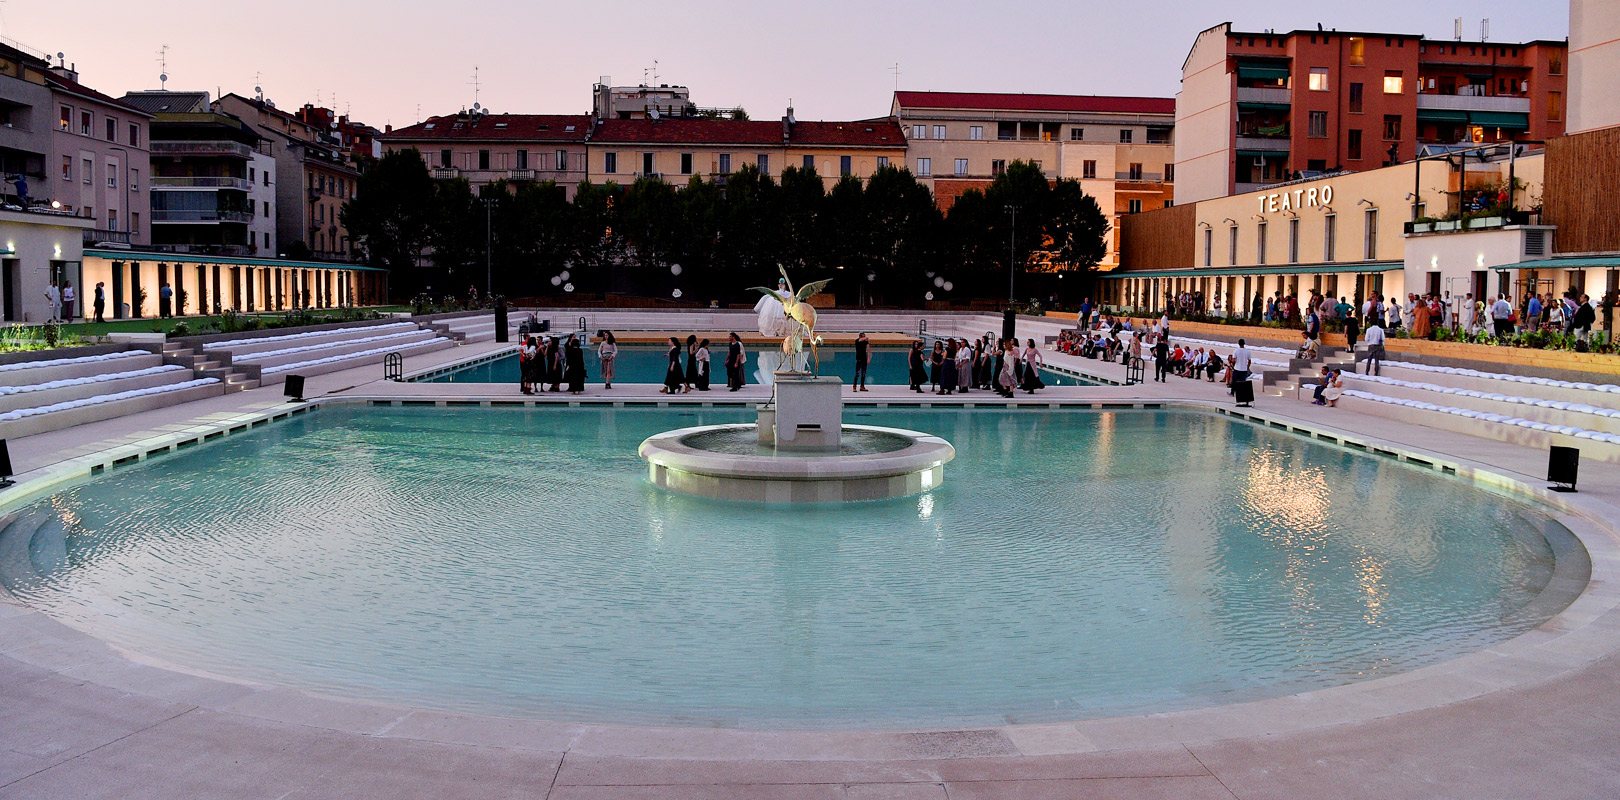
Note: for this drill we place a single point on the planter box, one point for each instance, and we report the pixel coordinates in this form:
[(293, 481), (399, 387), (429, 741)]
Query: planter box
[(1523, 356)]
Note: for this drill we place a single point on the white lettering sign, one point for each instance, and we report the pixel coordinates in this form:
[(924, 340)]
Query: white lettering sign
[(1314, 197)]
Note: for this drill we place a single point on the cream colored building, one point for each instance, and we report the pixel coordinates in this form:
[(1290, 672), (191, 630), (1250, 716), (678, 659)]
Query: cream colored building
[(1594, 64)]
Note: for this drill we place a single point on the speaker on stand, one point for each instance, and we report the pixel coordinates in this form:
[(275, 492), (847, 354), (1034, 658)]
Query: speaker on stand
[(294, 388), (1563, 464), (5, 466)]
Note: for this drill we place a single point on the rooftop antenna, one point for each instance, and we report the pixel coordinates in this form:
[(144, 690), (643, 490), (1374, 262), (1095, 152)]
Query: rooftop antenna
[(1485, 29), (258, 86), (163, 67), (1458, 29), (476, 86), (896, 70)]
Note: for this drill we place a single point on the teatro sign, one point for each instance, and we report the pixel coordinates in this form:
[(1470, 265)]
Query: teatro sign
[(1314, 197)]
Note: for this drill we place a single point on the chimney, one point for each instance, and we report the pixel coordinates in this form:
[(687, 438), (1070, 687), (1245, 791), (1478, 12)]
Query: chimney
[(69, 73)]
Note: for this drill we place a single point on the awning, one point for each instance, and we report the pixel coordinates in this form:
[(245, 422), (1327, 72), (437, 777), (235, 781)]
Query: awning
[(1263, 153), (1262, 72), (240, 261), (1441, 115), (1500, 119), (1572, 262), (1247, 104), (1332, 268)]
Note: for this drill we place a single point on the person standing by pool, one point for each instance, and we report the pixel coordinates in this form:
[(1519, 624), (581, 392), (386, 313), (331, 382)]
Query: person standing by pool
[(1352, 326), (1007, 375), (947, 368), (735, 359), (608, 352), (165, 300), (101, 301), (863, 359), (674, 377), (1161, 358), (528, 354), (1033, 361), (554, 364), (691, 362), (964, 366), (935, 360), (703, 365), (1375, 347), (575, 366), (914, 360), (67, 301)]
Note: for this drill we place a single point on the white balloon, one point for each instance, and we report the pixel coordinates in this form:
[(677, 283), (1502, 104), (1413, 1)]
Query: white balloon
[(948, 286), (674, 269), (556, 281), (676, 293), (939, 282), (568, 287), (564, 275), (928, 296)]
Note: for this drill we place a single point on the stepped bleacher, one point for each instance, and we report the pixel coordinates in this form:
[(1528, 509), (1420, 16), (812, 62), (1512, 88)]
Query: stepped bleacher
[(51, 394), (258, 360)]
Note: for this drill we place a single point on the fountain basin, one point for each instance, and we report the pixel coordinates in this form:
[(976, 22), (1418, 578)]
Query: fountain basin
[(872, 463)]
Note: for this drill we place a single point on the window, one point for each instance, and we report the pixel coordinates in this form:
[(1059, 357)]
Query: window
[(522, 159), (924, 167), (266, 204), (1260, 244), (998, 166), (89, 169), (483, 159), (112, 132), (1209, 246), (725, 163), (1231, 245), (1355, 98), (1393, 83), (646, 163), (134, 135), (1088, 169), (1555, 64), (267, 172), (84, 122), (444, 159), (809, 162), (1158, 135), (112, 219), (1077, 134), (976, 132), (843, 165), (112, 176), (686, 163), (67, 118), (67, 168), (562, 160), (1125, 136), (1318, 128), (1330, 235), (1293, 241), (1136, 207), (939, 131), (1169, 173), (764, 164), (1555, 106), (1392, 127), (1371, 245), (1358, 51), (1135, 172), (919, 131), (883, 162), (1353, 145), (610, 163), (961, 167), (1319, 79)]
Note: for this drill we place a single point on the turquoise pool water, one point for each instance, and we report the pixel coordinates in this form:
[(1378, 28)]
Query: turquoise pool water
[(646, 365), (517, 561)]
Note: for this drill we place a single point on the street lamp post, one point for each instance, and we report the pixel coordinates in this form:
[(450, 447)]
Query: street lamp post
[(489, 244), (1012, 252)]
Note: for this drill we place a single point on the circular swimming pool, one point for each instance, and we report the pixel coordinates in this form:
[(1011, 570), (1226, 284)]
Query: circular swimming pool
[(517, 561)]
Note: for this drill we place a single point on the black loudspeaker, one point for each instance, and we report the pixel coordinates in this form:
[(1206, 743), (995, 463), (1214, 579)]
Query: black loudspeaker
[(1009, 324), (1563, 463), (294, 388), (5, 466), (501, 334), (1244, 392)]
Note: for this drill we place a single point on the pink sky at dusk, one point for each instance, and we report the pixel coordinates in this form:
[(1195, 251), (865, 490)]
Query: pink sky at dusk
[(383, 60)]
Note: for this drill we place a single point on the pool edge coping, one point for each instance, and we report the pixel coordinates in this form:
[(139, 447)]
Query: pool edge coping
[(1584, 631)]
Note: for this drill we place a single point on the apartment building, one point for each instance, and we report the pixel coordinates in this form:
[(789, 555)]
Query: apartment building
[(677, 149), (314, 177), (1121, 149), (484, 148), (99, 150), (198, 187), (1257, 109), (640, 102)]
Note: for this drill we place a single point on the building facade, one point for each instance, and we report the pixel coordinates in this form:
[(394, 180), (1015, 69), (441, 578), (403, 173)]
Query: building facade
[(199, 173), (677, 150), (39, 250), (99, 150), (1257, 109), (485, 148), (1121, 149)]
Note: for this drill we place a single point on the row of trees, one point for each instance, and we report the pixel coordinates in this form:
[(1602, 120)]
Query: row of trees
[(884, 240)]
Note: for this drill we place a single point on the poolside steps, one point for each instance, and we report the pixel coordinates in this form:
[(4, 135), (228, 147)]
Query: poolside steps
[(56, 391)]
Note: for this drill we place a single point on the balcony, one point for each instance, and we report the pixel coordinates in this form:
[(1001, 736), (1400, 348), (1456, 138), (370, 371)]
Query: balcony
[(1141, 177), (1277, 95), (190, 182), (201, 148), (1460, 102), (445, 173), (194, 215), (99, 237), (206, 249), (1270, 144), (520, 175)]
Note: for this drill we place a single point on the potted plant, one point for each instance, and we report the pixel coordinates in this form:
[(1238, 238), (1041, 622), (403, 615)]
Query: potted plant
[(140, 301)]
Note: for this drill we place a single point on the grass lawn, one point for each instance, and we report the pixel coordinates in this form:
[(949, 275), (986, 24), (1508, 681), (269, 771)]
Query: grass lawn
[(196, 323)]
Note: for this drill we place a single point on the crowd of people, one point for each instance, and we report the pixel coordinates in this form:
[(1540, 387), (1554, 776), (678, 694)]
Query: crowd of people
[(987, 364)]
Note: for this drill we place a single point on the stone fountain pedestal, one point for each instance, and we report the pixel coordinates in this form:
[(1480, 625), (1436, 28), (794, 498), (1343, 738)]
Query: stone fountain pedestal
[(807, 413)]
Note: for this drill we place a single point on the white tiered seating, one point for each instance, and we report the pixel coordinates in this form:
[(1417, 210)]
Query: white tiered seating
[(34, 395), (272, 358), (94, 407)]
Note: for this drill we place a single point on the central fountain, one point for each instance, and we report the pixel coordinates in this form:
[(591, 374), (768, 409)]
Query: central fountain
[(799, 450)]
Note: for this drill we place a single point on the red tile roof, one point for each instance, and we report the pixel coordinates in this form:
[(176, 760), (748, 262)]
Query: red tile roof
[(74, 87), (1002, 101), (762, 133), (552, 127)]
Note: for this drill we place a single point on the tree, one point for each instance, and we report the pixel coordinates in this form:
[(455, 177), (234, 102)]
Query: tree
[(803, 202), (458, 238), (597, 248), (1076, 229), (750, 228), (533, 233), (391, 217), (903, 227)]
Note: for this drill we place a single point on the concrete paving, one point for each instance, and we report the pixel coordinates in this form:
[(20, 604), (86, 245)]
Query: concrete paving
[(1531, 717)]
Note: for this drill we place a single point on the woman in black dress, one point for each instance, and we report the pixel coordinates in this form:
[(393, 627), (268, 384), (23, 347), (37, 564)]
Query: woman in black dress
[(575, 369), (935, 360), (554, 365), (691, 362), (919, 373), (674, 378), (703, 358), (947, 369)]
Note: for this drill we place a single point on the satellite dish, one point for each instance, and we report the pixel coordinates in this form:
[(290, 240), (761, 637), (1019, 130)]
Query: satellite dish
[(163, 77), (259, 89), (476, 106), (60, 56)]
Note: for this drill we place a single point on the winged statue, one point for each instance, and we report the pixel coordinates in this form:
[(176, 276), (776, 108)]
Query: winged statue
[(799, 316)]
